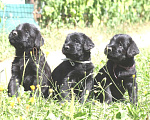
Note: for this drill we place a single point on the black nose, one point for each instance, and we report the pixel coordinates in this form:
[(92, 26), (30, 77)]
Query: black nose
[(14, 33), (109, 49), (66, 47)]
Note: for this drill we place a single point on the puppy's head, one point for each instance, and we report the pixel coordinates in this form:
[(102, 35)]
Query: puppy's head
[(121, 46), (77, 46), (26, 36)]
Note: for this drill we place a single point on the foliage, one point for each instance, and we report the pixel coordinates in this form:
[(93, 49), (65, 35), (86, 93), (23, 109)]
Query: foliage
[(87, 12), (6, 50)]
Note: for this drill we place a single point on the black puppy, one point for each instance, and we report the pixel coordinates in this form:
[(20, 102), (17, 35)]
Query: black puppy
[(76, 70), (119, 74), (29, 66)]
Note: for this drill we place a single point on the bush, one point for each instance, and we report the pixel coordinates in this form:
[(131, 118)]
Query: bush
[(87, 12)]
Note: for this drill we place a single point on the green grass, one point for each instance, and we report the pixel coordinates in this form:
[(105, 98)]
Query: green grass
[(6, 50), (51, 109), (38, 108)]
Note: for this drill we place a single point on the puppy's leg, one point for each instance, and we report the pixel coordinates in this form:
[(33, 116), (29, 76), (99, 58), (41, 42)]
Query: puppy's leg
[(43, 90), (13, 87), (65, 91), (108, 96), (89, 85), (132, 91), (68, 82)]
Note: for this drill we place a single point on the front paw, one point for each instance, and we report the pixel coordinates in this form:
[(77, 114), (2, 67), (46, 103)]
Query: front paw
[(108, 101)]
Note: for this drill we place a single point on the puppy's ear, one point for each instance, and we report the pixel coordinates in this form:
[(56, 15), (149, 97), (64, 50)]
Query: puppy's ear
[(39, 41), (88, 44), (132, 49)]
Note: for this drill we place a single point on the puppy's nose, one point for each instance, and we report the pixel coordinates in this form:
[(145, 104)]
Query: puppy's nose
[(14, 33), (66, 47), (109, 49)]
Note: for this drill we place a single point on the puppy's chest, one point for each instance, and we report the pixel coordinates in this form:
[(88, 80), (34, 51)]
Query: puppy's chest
[(117, 71), (83, 68), (78, 71), (27, 65)]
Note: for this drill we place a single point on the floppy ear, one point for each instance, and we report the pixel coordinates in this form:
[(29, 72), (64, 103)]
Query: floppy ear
[(39, 41), (88, 44), (132, 49)]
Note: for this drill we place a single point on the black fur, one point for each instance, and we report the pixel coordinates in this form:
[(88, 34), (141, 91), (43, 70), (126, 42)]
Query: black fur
[(27, 41), (73, 73), (119, 73)]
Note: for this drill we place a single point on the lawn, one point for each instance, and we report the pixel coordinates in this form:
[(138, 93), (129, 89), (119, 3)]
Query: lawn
[(25, 108)]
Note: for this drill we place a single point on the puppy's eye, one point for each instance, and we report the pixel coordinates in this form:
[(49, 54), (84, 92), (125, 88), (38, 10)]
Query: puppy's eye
[(76, 40)]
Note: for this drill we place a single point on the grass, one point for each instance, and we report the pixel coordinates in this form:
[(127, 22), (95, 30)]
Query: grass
[(37, 108)]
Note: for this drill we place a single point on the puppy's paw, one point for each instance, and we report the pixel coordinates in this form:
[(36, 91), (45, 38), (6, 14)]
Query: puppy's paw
[(108, 101)]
